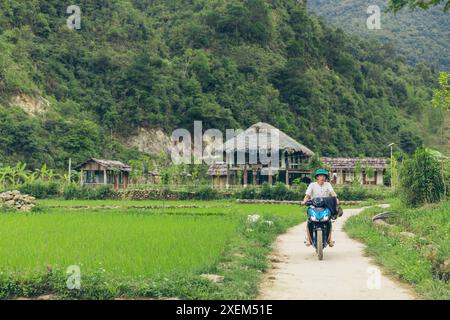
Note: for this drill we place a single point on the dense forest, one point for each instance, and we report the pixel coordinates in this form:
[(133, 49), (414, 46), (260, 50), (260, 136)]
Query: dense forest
[(165, 63), (421, 36)]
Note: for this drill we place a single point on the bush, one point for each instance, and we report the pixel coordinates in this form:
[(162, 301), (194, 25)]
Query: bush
[(422, 179), (265, 192), (206, 193), (103, 193), (76, 192), (300, 188), (348, 193), (247, 193), (279, 192), (73, 192), (40, 189)]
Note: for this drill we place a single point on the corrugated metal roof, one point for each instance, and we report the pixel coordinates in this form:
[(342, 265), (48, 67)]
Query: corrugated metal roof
[(350, 163), (218, 169), (108, 164)]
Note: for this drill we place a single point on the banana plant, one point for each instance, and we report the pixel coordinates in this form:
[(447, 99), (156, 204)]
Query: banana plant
[(42, 173), (20, 173)]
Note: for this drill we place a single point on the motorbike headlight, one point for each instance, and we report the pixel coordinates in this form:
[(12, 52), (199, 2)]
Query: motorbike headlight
[(313, 218), (325, 218)]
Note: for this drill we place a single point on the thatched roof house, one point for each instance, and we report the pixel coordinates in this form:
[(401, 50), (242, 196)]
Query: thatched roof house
[(286, 143), (290, 161)]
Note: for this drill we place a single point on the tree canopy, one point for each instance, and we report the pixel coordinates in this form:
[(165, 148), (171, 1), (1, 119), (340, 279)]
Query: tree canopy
[(230, 64)]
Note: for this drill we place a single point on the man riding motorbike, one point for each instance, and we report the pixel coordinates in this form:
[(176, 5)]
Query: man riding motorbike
[(319, 189)]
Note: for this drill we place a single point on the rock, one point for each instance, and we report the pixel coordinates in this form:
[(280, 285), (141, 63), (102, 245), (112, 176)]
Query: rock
[(213, 278), (46, 297), (431, 251), (253, 218), (381, 223), (409, 235), (16, 200), (445, 267), (274, 259)]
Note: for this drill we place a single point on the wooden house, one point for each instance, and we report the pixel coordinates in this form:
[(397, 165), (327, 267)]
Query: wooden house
[(343, 170), (292, 160), (96, 172)]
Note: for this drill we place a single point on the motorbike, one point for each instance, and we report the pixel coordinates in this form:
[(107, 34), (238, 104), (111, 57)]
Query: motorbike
[(319, 224)]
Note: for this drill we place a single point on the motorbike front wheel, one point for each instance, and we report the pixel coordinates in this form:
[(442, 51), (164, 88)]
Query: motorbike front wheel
[(319, 248)]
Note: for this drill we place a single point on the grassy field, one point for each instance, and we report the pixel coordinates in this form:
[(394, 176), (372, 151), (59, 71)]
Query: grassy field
[(416, 259), (159, 249)]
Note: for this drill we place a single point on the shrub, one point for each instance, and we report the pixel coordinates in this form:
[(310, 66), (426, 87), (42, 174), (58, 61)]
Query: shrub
[(422, 179), (247, 193), (76, 192), (40, 189), (280, 192), (265, 192), (103, 193), (206, 193), (352, 193), (73, 192), (300, 187)]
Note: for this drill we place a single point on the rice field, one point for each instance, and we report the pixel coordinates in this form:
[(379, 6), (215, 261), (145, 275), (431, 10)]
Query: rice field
[(130, 245), (134, 242)]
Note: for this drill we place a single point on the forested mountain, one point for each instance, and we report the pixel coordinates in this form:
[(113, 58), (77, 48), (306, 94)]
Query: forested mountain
[(421, 36), (165, 63)]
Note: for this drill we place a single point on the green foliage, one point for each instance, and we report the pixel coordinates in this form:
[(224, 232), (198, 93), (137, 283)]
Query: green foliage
[(229, 64), (361, 193), (396, 5), (441, 97), (278, 191), (77, 192), (40, 189), (416, 260), (206, 193), (217, 241), (421, 179), (415, 34)]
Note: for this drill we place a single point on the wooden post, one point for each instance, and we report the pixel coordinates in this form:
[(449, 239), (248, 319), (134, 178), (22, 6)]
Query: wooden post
[(228, 176), (245, 176), (81, 177), (270, 173), (125, 181), (70, 170), (287, 171), (254, 173), (104, 176)]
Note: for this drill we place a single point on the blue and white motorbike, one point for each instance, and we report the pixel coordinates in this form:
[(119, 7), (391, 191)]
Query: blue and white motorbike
[(319, 224)]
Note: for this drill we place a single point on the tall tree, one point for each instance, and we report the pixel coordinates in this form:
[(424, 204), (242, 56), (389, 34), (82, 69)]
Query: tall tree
[(397, 5)]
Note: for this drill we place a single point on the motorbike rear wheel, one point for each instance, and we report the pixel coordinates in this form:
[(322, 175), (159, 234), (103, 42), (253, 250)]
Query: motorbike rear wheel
[(320, 244)]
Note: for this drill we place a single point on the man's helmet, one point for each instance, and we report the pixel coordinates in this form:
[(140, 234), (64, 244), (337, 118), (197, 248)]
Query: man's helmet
[(322, 172)]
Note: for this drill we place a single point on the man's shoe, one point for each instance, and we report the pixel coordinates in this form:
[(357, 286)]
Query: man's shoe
[(307, 243), (331, 243)]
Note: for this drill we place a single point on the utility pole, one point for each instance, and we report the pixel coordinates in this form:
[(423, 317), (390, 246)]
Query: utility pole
[(70, 170), (392, 162)]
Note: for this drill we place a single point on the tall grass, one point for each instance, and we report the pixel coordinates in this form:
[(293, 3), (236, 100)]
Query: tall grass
[(416, 260)]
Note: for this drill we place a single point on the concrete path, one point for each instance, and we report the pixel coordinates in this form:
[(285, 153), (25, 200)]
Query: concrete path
[(345, 273)]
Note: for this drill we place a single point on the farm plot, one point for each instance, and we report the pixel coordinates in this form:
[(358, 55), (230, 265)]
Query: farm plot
[(127, 251)]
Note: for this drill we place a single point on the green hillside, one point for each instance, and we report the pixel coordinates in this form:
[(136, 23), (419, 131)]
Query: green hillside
[(164, 64), (420, 36)]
